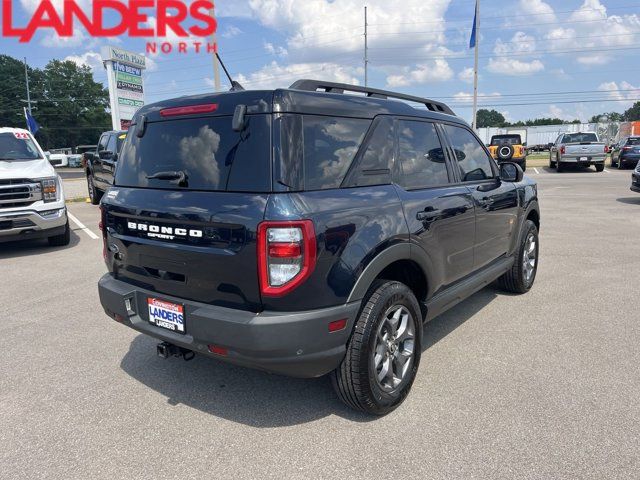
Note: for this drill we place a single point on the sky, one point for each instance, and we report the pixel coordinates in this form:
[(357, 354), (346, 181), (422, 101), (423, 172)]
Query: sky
[(567, 59)]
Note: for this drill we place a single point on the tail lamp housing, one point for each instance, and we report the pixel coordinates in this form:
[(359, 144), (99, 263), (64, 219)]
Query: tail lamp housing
[(286, 255), (562, 150)]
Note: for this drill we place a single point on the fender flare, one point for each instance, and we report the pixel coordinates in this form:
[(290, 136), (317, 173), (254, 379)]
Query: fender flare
[(402, 251)]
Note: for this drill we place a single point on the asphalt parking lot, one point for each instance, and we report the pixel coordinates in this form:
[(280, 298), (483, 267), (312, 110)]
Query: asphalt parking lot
[(545, 385)]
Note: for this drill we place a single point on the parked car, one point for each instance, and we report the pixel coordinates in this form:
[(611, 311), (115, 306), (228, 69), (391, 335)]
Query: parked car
[(31, 196), (583, 149), (81, 150), (635, 179), (59, 159), (306, 232), (626, 153), (509, 148), (101, 164)]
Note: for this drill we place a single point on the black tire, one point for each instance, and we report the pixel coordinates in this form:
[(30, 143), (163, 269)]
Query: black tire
[(552, 164), (613, 163), (356, 379), (559, 166), (600, 167), (63, 239), (517, 280), (620, 164), (95, 195), (505, 152)]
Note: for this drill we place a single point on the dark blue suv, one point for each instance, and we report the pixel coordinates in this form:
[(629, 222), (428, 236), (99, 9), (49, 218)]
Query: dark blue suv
[(309, 231)]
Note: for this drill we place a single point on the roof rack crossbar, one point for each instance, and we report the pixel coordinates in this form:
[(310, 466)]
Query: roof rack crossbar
[(331, 87)]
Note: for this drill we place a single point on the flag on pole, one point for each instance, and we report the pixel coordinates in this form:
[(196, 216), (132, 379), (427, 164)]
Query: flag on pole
[(32, 125), (472, 41)]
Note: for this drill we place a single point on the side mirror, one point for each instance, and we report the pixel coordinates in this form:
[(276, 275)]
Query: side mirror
[(239, 122), (524, 144), (106, 155), (511, 172)]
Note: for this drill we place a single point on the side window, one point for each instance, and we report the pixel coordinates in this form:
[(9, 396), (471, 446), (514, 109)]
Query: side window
[(330, 144), (375, 163), (421, 159), (112, 144), (474, 163), (102, 144)]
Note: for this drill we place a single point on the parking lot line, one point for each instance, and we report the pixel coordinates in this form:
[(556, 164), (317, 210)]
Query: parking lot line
[(82, 226), (606, 171), (536, 170)]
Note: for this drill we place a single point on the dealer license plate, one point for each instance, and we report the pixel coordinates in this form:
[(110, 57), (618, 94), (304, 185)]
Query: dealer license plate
[(167, 315)]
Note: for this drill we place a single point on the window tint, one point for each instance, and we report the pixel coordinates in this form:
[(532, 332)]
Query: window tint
[(579, 137), (633, 141), (102, 144), (472, 158), (330, 144), (111, 145), (207, 150), (421, 159), (374, 166)]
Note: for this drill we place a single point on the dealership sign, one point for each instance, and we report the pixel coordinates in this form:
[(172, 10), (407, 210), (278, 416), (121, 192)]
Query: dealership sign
[(126, 88), (114, 18)]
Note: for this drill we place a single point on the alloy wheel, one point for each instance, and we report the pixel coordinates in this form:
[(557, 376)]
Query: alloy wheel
[(394, 350), (530, 257)]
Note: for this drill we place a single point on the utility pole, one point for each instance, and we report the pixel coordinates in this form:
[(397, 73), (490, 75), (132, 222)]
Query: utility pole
[(26, 76), (475, 69), (216, 65), (366, 50)]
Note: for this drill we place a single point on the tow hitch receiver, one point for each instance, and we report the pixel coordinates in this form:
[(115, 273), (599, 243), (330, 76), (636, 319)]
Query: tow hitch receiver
[(166, 350)]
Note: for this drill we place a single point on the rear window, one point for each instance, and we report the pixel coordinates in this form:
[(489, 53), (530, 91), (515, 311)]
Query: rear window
[(633, 141), (579, 138), (510, 139), (212, 156), (18, 146), (326, 145)]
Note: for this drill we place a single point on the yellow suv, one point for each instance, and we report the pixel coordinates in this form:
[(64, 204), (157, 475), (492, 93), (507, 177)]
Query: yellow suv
[(509, 148)]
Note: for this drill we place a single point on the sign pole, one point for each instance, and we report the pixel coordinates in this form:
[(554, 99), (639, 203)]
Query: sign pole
[(475, 68), (115, 120)]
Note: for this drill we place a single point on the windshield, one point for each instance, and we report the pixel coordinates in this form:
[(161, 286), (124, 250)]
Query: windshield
[(18, 146), (510, 139), (579, 138), (206, 151)]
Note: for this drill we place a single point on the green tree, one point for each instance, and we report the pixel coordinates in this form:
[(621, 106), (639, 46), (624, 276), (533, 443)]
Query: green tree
[(489, 118), (612, 116), (633, 114), (69, 105)]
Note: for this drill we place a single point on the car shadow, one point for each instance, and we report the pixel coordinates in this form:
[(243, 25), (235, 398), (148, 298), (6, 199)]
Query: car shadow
[(28, 248), (569, 169), (259, 399), (630, 200)]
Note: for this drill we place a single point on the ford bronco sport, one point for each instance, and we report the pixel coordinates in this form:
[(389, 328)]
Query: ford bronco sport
[(306, 231)]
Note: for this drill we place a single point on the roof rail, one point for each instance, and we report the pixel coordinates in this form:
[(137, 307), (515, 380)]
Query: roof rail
[(330, 87)]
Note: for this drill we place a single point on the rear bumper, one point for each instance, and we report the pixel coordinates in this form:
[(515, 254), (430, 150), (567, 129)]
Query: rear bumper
[(580, 159), (29, 224), (296, 344), (629, 160)]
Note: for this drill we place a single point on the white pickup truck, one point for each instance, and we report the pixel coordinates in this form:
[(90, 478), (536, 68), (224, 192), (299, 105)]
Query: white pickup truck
[(583, 148), (31, 196)]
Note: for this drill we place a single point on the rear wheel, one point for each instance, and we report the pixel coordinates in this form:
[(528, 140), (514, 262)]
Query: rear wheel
[(94, 194), (63, 239), (383, 353), (552, 164), (613, 162), (600, 167), (620, 164), (523, 273), (559, 166)]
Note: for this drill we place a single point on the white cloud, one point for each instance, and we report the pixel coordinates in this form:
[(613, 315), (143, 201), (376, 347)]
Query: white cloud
[(514, 67), (624, 93), (519, 43), (435, 71), (466, 75), (271, 49), (542, 11), (467, 98), (90, 59), (231, 31), (275, 75)]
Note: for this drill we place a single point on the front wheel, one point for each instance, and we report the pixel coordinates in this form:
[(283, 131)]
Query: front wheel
[(600, 167), (63, 239), (383, 353), (94, 193), (523, 273)]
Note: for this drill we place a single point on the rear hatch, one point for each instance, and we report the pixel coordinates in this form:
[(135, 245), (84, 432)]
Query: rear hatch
[(182, 217)]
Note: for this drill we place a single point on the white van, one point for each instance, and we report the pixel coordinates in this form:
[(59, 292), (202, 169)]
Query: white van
[(31, 195)]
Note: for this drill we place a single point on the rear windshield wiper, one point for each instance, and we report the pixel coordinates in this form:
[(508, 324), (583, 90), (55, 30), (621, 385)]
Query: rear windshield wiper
[(179, 175)]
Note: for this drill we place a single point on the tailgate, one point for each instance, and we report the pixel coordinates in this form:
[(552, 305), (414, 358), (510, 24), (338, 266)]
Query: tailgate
[(585, 149), (199, 246)]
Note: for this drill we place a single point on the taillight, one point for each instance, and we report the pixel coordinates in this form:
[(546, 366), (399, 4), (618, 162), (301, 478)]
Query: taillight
[(627, 148), (562, 150), (102, 225), (286, 255)]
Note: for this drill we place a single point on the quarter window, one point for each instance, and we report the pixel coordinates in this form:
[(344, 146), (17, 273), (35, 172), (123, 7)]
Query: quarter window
[(472, 158), (374, 166), (421, 159)]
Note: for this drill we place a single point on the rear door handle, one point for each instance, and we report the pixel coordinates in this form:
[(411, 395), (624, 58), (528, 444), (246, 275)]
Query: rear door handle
[(427, 214)]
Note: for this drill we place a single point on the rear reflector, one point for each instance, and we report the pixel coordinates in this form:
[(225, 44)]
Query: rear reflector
[(218, 350), (338, 325), (189, 110)]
